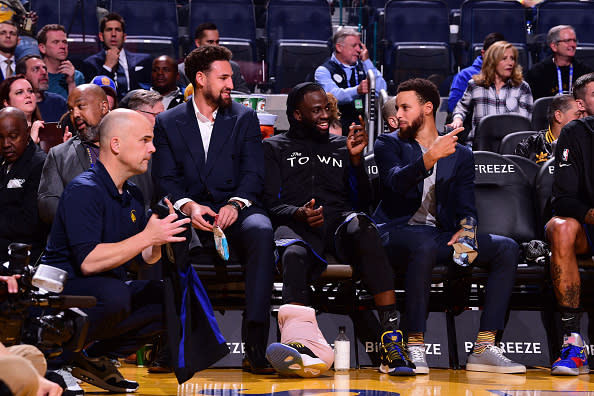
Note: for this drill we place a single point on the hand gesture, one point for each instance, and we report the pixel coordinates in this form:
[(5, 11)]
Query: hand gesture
[(67, 135), (11, 283), (196, 213), (227, 216), (307, 214), (364, 55), (162, 231), (456, 123), (357, 140), (112, 57), (67, 69), (363, 87), (445, 145), (34, 133)]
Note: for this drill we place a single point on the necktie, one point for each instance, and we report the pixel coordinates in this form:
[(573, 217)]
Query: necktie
[(121, 82), (353, 81), (8, 67)]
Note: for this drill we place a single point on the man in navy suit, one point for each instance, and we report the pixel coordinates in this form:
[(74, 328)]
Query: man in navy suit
[(9, 39), (209, 160), (427, 216), (129, 70)]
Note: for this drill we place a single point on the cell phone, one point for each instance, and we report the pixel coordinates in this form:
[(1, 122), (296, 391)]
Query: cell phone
[(50, 135)]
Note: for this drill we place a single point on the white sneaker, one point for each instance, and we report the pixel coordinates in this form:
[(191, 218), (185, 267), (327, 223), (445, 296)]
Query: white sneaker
[(493, 361), (416, 353)]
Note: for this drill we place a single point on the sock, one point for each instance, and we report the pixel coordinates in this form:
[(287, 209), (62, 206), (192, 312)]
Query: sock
[(416, 338), (570, 320), (389, 317), (484, 339)]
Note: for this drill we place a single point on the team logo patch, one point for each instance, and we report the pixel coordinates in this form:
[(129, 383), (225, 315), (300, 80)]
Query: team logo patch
[(133, 215), (565, 155)]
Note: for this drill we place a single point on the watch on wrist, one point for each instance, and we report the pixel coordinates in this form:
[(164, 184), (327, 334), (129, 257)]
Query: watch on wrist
[(235, 205)]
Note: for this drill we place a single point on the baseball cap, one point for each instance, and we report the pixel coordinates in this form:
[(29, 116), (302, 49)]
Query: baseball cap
[(107, 84)]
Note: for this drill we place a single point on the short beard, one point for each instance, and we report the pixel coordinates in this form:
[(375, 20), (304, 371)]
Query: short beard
[(8, 50), (217, 101), (410, 133), (90, 134)]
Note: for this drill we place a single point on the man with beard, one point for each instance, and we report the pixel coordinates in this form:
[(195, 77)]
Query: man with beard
[(9, 39), (427, 216), (209, 160), (87, 105), (51, 105), (164, 77), (327, 217)]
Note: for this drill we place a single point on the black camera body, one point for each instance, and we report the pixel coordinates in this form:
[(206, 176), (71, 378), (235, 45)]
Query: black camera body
[(37, 314)]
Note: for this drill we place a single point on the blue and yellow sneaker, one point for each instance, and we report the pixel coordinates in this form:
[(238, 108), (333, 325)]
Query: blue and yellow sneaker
[(394, 355), (573, 359)]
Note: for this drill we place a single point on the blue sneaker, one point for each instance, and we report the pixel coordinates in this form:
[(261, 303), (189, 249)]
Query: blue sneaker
[(394, 355), (295, 359), (573, 359)]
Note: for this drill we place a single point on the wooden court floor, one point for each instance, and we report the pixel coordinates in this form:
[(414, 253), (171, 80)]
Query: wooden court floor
[(364, 382)]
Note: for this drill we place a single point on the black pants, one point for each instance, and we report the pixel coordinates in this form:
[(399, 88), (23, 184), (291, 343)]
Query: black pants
[(358, 243)]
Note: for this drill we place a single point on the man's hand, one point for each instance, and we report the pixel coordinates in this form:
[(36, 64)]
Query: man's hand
[(227, 216), (307, 214), (48, 388), (11, 283), (162, 231), (196, 213), (112, 58), (364, 55), (357, 140), (67, 69), (455, 237), (442, 147), (363, 87), (67, 135)]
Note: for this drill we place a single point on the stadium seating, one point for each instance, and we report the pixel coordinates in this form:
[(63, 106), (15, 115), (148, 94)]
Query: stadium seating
[(492, 128), (510, 142), (529, 167), (417, 36), (539, 113), (544, 189)]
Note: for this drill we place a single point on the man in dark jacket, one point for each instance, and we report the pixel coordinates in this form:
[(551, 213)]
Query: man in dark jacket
[(21, 162), (316, 190), (571, 231)]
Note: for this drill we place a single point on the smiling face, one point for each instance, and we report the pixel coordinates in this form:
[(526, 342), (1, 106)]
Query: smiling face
[(21, 96), (216, 84), (566, 45), (314, 111)]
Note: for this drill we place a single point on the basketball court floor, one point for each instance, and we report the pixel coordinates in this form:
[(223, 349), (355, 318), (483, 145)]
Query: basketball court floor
[(363, 382)]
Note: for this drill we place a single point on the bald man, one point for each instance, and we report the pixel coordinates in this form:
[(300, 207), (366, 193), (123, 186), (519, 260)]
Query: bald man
[(100, 229), (87, 105), (164, 77)]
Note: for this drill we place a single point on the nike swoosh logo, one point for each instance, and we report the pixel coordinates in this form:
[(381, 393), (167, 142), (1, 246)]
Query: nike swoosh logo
[(392, 319), (565, 320), (562, 165)]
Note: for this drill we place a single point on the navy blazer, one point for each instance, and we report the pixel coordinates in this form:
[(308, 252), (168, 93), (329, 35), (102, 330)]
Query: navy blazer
[(139, 69), (235, 161), (402, 174)]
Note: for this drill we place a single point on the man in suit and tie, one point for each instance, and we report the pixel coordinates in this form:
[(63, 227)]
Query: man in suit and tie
[(209, 160), (427, 216), (21, 162), (129, 70), (9, 39)]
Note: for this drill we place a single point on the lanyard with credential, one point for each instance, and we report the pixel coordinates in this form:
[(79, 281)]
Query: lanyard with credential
[(560, 83)]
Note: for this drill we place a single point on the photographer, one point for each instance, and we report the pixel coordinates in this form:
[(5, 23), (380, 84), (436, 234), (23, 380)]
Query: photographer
[(22, 366)]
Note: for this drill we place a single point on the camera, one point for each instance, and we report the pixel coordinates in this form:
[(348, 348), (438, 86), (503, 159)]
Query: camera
[(37, 314)]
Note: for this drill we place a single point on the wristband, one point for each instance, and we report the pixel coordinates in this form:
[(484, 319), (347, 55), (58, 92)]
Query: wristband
[(235, 205)]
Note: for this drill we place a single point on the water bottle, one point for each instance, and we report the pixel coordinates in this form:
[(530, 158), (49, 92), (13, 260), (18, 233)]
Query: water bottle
[(342, 351)]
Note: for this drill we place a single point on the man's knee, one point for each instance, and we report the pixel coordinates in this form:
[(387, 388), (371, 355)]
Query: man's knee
[(258, 227), (562, 232)]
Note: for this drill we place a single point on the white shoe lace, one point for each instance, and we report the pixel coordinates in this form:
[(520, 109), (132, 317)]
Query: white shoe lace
[(499, 352), (417, 353)]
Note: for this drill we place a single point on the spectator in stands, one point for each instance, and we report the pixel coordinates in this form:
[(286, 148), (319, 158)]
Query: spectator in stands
[(344, 75), (389, 114), (96, 252), (16, 91), (497, 89), (147, 103), (209, 160), (571, 231), (460, 81), (53, 45), (129, 70), (108, 85), (164, 78), (21, 161), (320, 219), (208, 34), (9, 39), (540, 146), (335, 124), (51, 105), (556, 75), (423, 225)]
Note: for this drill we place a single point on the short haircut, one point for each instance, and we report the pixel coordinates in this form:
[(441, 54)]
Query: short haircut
[(343, 33), (142, 97), (561, 103), (112, 16), (295, 97), (389, 108), (200, 60), (52, 27), (21, 65), (426, 91), (579, 88), (11, 23), (202, 27), (491, 39), (554, 34)]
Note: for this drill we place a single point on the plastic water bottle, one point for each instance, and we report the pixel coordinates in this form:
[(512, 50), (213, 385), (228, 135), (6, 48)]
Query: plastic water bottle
[(342, 351)]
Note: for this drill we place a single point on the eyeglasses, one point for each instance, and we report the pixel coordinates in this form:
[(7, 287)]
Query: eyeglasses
[(148, 112), (568, 41)]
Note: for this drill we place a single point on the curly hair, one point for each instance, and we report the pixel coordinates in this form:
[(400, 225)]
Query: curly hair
[(492, 57), (200, 60)]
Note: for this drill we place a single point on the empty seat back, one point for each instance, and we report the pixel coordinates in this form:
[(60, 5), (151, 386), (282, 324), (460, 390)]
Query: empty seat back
[(539, 113), (492, 128)]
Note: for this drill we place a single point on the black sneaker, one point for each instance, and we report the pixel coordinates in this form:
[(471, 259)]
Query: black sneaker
[(102, 373), (295, 359), (64, 378), (394, 355)]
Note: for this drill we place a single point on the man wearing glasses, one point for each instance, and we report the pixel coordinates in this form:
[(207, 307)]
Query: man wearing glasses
[(557, 74)]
